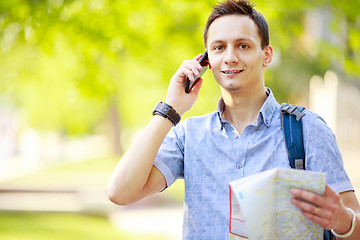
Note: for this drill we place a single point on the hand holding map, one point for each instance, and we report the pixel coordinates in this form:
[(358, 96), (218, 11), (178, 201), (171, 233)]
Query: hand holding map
[(261, 209)]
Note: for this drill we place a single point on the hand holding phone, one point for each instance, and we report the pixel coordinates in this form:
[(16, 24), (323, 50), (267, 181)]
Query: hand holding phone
[(204, 62)]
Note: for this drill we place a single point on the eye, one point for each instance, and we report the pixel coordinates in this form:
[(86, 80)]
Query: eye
[(243, 46), (218, 48)]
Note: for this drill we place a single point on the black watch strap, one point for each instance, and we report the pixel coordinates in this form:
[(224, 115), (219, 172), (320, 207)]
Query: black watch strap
[(167, 111)]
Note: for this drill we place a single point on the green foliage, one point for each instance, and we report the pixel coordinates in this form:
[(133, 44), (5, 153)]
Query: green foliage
[(64, 62), (302, 53)]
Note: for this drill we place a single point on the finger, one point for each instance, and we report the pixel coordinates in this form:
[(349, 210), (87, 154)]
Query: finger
[(181, 74), (307, 196), (197, 86), (197, 57), (197, 61), (189, 74), (321, 221), (307, 207), (193, 65), (313, 213)]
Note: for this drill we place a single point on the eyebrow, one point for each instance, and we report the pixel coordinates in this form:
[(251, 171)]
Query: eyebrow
[(236, 40)]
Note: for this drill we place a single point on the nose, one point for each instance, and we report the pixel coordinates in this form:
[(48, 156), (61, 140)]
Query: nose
[(231, 56)]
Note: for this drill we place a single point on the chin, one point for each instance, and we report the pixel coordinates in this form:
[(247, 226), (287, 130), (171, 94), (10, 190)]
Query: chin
[(231, 88)]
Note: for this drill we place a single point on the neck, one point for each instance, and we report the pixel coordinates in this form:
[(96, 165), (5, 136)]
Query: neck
[(242, 108)]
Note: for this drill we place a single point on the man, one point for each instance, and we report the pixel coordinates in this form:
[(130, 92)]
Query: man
[(242, 138)]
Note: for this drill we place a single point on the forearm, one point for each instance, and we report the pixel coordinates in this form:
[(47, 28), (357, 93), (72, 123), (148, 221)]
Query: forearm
[(349, 200), (331, 210), (134, 177), (130, 176), (356, 233)]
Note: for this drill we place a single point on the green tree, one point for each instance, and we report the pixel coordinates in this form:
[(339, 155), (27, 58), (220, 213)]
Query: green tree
[(75, 65)]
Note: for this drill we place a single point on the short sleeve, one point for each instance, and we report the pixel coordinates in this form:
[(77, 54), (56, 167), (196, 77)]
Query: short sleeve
[(170, 157), (322, 152)]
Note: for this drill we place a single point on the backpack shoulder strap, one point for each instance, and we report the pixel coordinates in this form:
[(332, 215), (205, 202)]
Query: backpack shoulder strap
[(291, 124)]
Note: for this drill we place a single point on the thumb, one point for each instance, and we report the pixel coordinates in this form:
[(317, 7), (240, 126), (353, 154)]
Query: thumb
[(197, 87)]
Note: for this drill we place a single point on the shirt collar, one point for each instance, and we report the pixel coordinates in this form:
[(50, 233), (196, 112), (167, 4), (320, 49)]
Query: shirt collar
[(220, 110), (266, 112)]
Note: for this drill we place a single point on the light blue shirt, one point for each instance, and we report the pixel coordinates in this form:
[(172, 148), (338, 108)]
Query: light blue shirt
[(208, 153)]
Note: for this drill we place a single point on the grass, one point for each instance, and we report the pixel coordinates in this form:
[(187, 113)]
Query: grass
[(41, 226), (65, 226)]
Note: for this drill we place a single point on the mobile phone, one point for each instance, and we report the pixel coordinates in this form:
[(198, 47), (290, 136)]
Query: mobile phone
[(204, 62)]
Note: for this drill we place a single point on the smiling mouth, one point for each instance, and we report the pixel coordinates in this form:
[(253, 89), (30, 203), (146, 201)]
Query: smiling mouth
[(232, 71)]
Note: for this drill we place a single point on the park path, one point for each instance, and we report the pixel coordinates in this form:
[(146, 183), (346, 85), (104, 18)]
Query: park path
[(156, 215)]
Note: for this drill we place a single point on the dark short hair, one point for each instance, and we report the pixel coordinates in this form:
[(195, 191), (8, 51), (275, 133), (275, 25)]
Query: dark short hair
[(239, 7)]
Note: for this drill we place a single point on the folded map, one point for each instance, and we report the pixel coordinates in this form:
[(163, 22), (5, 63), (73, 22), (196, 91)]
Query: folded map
[(260, 205)]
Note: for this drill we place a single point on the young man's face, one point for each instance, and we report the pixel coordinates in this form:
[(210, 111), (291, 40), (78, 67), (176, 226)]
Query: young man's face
[(235, 54)]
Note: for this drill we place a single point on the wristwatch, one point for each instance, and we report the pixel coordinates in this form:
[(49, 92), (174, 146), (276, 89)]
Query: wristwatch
[(167, 111)]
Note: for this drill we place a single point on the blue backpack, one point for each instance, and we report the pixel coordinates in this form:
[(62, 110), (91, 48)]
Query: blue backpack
[(291, 124)]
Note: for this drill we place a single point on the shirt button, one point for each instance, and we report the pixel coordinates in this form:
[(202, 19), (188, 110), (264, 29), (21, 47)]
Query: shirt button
[(236, 136), (238, 165), (267, 122)]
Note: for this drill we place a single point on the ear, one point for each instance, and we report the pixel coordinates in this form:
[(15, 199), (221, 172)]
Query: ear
[(268, 56)]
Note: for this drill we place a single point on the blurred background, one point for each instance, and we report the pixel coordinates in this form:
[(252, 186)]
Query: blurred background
[(79, 79)]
